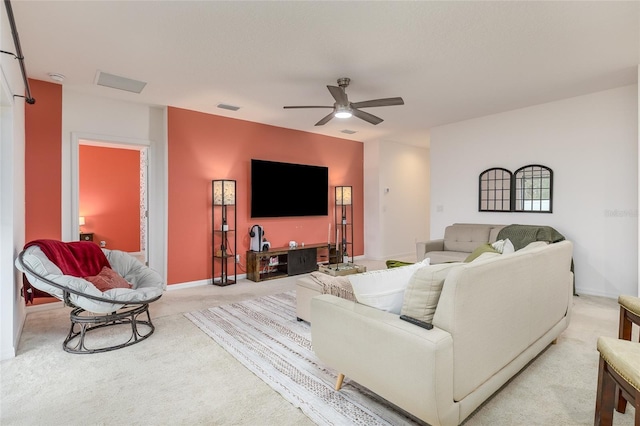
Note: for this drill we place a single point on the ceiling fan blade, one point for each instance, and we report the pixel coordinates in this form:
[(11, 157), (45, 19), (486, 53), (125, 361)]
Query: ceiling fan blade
[(325, 120), (366, 116), (378, 103), (309, 106), (339, 95)]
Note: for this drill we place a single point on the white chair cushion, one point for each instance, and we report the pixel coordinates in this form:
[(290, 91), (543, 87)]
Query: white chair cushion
[(146, 283)]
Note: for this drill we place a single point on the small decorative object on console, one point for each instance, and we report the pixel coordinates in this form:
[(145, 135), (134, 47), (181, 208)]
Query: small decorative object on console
[(256, 232)]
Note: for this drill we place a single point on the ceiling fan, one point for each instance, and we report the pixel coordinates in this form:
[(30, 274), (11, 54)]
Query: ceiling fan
[(342, 108)]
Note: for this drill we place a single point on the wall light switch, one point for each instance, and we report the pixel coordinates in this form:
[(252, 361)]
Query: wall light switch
[(103, 244)]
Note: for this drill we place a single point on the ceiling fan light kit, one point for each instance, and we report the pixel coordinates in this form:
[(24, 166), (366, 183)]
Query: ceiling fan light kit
[(342, 112), (342, 108)]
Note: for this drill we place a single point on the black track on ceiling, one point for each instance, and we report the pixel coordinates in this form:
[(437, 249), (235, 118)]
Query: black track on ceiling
[(18, 55)]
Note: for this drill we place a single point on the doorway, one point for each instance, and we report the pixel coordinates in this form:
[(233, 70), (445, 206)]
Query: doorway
[(112, 208)]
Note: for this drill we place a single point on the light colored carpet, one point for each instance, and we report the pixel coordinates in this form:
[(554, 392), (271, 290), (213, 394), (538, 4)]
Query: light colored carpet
[(264, 335), (179, 376)]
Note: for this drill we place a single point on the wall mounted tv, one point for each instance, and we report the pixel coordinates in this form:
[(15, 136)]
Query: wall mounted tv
[(286, 189)]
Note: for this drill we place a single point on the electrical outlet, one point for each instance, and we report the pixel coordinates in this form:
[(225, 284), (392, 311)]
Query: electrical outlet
[(237, 258), (103, 244)]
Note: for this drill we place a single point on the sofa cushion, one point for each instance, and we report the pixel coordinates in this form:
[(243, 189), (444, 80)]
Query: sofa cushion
[(436, 257), (465, 237), (383, 289), (533, 245), (495, 230), (484, 248), (422, 293), (486, 256)]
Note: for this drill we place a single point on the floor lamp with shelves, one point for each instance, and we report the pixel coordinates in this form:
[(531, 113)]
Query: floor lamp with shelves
[(224, 236), (343, 218)]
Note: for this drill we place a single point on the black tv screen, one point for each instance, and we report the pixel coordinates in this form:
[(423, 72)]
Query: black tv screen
[(286, 189)]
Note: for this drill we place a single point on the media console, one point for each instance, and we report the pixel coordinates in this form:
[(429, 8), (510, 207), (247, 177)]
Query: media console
[(284, 261)]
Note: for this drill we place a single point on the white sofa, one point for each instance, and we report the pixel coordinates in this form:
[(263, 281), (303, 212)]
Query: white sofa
[(306, 289), (460, 239), (493, 316)]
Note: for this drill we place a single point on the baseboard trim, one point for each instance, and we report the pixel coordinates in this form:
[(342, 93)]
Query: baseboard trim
[(8, 354), (401, 256), (190, 284), (590, 292), (44, 307), (180, 286)]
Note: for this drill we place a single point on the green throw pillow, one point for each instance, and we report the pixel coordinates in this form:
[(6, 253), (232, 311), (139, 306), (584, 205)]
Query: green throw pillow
[(396, 263), (485, 248)]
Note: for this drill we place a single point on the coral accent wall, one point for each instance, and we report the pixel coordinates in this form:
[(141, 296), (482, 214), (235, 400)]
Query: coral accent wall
[(110, 196), (203, 147), (43, 162)]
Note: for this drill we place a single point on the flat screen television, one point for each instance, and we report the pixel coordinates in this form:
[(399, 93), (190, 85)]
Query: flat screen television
[(286, 189)]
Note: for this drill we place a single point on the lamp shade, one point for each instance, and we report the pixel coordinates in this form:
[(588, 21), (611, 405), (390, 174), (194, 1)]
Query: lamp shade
[(224, 192), (81, 220), (343, 195)]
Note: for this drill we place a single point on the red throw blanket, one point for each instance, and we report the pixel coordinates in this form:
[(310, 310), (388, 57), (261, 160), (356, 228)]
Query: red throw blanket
[(76, 258)]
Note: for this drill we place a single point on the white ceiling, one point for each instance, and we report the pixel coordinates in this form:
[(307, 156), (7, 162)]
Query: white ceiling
[(450, 61)]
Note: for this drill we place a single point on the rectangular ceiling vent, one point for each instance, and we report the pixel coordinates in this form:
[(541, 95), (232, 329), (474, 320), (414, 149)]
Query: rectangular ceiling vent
[(118, 82), (348, 132), (229, 107)]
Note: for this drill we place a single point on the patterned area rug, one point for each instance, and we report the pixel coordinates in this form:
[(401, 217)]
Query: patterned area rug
[(264, 335)]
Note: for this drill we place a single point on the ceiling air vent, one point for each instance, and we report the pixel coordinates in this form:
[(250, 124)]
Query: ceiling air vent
[(118, 82), (348, 132), (229, 107)]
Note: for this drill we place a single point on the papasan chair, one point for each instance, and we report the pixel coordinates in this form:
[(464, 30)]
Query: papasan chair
[(105, 288)]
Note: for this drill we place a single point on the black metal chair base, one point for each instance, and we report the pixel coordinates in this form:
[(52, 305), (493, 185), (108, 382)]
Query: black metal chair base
[(75, 341)]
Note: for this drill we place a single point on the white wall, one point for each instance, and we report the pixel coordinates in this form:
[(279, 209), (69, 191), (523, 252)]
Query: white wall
[(110, 120), (396, 194), (591, 144), (12, 307)]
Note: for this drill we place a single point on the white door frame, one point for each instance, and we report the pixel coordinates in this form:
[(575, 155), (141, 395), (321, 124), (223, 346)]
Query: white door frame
[(106, 142)]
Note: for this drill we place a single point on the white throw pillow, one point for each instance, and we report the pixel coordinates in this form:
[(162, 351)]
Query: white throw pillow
[(423, 292), (508, 247), (383, 289), (504, 246)]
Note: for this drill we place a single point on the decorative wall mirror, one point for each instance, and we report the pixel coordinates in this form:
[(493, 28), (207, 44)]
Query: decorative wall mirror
[(533, 189), (495, 190), (529, 189)]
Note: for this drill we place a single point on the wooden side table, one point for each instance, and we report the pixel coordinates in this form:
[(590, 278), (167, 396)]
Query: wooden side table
[(86, 236)]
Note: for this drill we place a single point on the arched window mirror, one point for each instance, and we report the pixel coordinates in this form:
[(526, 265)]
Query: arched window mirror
[(533, 186), (495, 190)]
